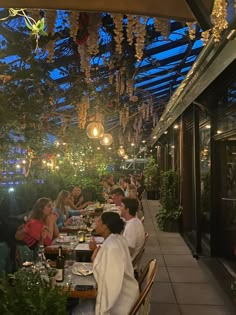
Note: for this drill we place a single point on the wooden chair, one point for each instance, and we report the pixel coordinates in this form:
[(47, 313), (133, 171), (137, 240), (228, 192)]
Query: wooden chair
[(142, 305), (141, 199), (137, 258)]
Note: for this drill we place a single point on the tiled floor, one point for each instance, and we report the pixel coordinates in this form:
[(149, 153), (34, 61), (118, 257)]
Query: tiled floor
[(182, 284)]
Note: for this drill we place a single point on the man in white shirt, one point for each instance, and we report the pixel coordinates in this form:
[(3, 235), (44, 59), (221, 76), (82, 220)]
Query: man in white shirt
[(134, 231)]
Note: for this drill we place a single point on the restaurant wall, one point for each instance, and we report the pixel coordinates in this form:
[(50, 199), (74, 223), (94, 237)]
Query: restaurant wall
[(205, 158)]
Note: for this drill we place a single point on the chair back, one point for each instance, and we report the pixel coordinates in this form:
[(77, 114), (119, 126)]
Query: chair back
[(142, 195), (142, 305), (139, 255)]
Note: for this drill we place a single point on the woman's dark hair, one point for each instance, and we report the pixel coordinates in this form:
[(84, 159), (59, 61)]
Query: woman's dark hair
[(113, 221), (37, 211)]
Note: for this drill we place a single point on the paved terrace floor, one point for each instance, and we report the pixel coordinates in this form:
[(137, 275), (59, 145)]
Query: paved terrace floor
[(183, 285)]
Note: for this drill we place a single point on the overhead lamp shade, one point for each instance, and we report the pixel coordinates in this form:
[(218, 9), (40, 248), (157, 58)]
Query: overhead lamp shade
[(95, 130), (121, 152), (106, 139)]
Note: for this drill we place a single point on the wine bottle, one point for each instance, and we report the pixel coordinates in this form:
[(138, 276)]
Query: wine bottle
[(60, 264)]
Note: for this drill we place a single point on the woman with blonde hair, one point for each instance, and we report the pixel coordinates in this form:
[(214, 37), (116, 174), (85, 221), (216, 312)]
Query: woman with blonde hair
[(62, 209)]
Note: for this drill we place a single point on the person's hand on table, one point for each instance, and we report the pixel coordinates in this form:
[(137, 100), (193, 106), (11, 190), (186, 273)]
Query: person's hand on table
[(89, 203), (68, 222), (92, 244)]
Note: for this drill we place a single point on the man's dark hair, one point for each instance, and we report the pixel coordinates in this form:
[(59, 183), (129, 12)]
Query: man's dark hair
[(127, 180), (117, 191), (132, 204)]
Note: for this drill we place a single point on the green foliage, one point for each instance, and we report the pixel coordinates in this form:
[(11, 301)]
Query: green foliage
[(25, 195), (152, 175), (165, 216), (27, 293), (170, 211), (169, 190), (37, 28)]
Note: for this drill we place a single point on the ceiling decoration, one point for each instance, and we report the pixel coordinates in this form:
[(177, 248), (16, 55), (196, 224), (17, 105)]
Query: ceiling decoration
[(125, 67)]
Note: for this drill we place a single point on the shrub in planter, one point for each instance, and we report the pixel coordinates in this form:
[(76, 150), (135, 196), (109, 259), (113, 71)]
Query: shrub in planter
[(168, 220), (168, 217), (26, 292), (151, 174)]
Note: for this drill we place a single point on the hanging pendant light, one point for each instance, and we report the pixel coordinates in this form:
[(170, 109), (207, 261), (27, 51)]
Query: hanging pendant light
[(106, 139), (95, 130)]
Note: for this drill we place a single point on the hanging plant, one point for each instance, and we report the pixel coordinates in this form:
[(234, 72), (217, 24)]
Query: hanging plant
[(93, 31), (124, 117), (118, 30), (82, 108), (74, 24), (191, 30), (140, 37), (85, 61), (219, 19), (130, 87), (130, 28)]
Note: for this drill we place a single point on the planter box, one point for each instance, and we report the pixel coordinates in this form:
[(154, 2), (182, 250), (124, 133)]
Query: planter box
[(171, 226), (153, 195)]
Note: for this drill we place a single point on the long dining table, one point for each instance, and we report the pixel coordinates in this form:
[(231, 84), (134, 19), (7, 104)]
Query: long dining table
[(79, 285)]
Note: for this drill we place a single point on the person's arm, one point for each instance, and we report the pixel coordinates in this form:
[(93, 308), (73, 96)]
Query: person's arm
[(51, 224), (84, 205), (71, 205), (130, 236), (81, 199), (55, 231)]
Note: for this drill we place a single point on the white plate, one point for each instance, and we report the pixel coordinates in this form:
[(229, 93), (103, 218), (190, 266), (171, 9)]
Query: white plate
[(82, 269), (65, 239)]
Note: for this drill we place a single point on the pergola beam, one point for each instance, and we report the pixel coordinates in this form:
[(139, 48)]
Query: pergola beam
[(170, 9)]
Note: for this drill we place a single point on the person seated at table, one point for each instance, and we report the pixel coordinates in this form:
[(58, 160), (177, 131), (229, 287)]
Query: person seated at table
[(41, 227), (132, 191), (125, 185), (117, 195), (117, 289), (63, 211), (134, 231), (73, 202)]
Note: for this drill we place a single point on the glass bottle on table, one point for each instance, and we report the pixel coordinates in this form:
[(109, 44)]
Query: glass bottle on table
[(60, 266)]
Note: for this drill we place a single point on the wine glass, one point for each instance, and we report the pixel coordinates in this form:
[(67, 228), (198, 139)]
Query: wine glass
[(71, 254)]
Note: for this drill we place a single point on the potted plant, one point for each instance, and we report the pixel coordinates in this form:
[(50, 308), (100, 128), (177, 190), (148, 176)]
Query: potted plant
[(169, 215), (27, 292), (151, 174)]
